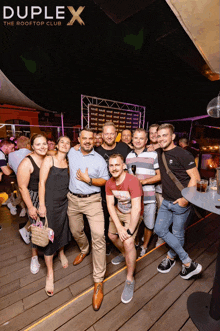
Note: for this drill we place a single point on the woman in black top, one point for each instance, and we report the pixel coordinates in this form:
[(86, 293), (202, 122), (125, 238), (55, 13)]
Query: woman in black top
[(53, 203), (28, 180)]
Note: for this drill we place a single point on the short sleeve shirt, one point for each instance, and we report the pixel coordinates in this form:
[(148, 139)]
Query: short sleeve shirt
[(178, 161), (97, 168), (15, 158), (129, 189), (3, 160), (146, 165), (120, 148)]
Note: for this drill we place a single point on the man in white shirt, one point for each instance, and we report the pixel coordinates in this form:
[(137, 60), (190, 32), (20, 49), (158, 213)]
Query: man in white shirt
[(14, 159), (6, 147), (144, 165)]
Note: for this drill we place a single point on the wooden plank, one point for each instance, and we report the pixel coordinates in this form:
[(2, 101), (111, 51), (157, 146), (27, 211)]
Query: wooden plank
[(8, 262), (189, 326), (39, 284), (14, 239), (59, 285), (81, 303), (115, 320), (24, 263), (87, 282), (61, 318), (39, 293), (78, 279), (8, 244), (178, 313), (200, 231), (21, 293), (112, 301), (31, 288), (14, 276), (83, 283), (22, 247), (14, 267), (28, 317), (8, 288), (36, 298), (10, 312), (7, 233), (113, 313), (74, 308), (24, 255), (174, 314), (27, 279), (15, 247)]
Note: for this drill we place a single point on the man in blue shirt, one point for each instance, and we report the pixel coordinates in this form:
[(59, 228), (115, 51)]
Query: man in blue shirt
[(88, 172)]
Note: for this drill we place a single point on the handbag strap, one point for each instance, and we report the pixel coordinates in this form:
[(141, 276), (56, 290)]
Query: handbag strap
[(176, 181), (46, 222), (170, 174)]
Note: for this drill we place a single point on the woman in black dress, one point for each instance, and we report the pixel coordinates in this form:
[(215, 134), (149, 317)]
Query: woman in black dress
[(53, 189)]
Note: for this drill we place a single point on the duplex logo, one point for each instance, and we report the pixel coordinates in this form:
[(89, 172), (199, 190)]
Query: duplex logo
[(76, 16), (37, 12)]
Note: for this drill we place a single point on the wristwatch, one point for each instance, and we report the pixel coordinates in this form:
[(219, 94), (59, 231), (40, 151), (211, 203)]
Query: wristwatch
[(129, 232), (90, 182)]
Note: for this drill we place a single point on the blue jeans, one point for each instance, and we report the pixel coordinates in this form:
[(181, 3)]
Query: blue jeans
[(168, 214)]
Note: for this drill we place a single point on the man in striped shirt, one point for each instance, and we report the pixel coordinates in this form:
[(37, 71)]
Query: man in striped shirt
[(144, 165)]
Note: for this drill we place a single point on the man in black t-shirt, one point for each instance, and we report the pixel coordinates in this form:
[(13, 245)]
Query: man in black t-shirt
[(109, 147), (175, 208)]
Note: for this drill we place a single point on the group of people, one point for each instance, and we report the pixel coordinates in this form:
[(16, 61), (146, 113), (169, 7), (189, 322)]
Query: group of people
[(115, 185)]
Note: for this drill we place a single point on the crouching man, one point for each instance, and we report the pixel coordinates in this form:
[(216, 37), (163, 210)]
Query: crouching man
[(124, 216)]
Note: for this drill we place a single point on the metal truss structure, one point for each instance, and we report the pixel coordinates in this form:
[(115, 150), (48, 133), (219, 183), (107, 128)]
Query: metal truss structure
[(15, 130), (128, 107)]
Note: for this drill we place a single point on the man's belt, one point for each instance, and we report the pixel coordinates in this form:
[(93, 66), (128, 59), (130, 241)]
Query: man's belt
[(83, 195)]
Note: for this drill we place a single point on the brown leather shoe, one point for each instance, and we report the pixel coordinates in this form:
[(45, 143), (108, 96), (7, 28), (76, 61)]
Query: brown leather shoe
[(97, 296), (79, 258)]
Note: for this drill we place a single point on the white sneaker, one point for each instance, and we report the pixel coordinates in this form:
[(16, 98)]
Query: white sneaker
[(13, 210), (159, 242), (9, 204), (143, 251), (26, 236), (35, 265), (22, 213)]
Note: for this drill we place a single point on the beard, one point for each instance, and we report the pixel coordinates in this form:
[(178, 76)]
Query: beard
[(109, 143), (167, 144), (87, 149), (115, 176)]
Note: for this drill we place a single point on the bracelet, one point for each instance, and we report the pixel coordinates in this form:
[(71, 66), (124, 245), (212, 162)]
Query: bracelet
[(129, 232)]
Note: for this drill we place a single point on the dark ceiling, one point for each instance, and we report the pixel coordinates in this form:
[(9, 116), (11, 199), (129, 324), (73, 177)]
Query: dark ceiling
[(146, 59)]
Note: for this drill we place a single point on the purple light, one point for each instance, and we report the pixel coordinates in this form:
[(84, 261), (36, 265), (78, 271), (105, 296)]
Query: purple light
[(195, 118), (62, 124)]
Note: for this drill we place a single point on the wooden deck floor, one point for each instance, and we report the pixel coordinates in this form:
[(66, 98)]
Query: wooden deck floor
[(159, 301)]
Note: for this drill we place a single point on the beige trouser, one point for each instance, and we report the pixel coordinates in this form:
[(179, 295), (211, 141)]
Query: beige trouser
[(125, 220), (92, 208)]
